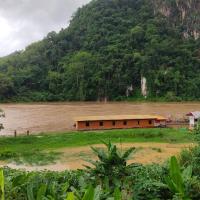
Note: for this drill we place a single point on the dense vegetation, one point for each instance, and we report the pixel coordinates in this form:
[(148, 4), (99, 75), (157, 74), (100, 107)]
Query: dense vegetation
[(110, 179), (107, 47)]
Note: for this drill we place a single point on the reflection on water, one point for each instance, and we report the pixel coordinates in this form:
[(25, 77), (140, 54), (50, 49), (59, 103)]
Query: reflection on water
[(44, 117)]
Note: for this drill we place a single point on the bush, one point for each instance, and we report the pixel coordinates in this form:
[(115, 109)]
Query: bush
[(148, 182), (191, 157)]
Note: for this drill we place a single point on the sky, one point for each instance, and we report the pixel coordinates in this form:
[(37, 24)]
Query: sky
[(25, 21)]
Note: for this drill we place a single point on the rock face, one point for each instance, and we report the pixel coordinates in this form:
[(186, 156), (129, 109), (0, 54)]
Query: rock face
[(182, 13), (129, 90), (144, 86)]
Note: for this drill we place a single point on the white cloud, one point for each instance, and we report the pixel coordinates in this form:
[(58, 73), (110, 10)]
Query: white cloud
[(26, 21)]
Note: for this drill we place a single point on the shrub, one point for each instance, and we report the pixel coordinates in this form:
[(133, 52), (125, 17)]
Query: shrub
[(191, 157), (148, 182)]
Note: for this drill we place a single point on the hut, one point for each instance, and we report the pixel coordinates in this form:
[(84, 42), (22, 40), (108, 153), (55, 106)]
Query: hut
[(119, 122), (194, 117)]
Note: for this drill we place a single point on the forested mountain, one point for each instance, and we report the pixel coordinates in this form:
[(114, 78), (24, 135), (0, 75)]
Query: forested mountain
[(109, 46)]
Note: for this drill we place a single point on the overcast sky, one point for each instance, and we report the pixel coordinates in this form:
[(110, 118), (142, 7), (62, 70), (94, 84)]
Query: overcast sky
[(25, 21)]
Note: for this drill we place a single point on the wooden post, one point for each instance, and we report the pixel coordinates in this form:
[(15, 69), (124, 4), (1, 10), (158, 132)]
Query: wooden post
[(28, 133), (15, 133)]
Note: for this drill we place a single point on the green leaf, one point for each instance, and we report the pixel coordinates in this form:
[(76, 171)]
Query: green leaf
[(2, 195), (89, 194), (30, 194), (171, 184), (70, 196), (97, 192), (187, 173), (41, 192), (117, 194), (128, 153), (175, 174)]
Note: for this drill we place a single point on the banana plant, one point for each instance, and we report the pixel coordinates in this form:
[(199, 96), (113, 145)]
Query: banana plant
[(90, 194), (40, 193), (2, 194), (176, 178), (110, 161), (93, 194)]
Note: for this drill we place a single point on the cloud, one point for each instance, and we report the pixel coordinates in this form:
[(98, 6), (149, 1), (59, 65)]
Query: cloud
[(26, 21)]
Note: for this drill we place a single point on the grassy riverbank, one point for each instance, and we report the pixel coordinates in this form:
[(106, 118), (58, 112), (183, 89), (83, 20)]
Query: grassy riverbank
[(39, 149)]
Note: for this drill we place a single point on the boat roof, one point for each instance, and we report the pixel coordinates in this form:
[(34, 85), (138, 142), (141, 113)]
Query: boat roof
[(196, 114), (118, 117)]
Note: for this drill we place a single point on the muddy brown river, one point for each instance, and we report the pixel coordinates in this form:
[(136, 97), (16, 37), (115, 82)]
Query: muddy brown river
[(50, 117)]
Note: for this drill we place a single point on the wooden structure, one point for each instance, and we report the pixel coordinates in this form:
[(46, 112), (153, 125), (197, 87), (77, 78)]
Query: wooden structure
[(119, 122), (194, 117)]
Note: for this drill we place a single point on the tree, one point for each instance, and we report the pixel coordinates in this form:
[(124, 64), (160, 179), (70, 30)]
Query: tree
[(137, 34), (79, 71), (55, 82), (6, 86), (105, 50)]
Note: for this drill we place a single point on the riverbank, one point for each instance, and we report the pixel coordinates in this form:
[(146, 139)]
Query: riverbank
[(44, 148), (73, 158)]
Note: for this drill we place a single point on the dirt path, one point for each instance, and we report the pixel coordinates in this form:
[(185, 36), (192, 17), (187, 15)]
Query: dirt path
[(146, 153)]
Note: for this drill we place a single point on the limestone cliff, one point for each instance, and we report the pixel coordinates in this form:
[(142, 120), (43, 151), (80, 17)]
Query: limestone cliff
[(184, 14)]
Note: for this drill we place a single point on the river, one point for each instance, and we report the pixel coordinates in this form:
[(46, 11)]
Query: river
[(50, 117)]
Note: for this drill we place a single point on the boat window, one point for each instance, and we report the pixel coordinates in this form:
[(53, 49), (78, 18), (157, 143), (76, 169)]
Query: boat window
[(100, 123)]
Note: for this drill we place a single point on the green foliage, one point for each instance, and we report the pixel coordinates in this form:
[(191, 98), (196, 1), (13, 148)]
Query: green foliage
[(111, 164), (6, 86), (1, 185), (192, 158), (176, 178), (148, 183), (142, 182), (53, 186), (31, 157), (38, 185), (110, 169), (197, 128), (105, 50)]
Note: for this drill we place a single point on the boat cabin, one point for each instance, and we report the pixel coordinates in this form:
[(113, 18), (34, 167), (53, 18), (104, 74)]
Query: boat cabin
[(119, 122)]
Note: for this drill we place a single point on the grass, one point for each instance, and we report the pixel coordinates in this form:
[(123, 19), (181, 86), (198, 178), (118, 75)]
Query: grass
[(30, 157), (37, 149)]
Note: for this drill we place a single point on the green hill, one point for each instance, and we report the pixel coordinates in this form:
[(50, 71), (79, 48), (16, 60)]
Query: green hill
[(106, 50)]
